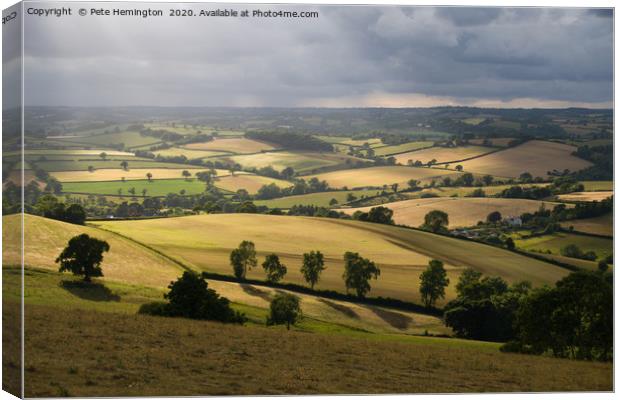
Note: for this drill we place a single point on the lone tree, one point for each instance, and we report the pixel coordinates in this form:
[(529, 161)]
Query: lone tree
[(494, 217), (243, 258), (312, 267), (186, 174), (459, 168), (436, 221), (284, 309), (190, 297), (83, 256), (274, 269), (357, 273), (103, 155), (433, 282), (149, 176)]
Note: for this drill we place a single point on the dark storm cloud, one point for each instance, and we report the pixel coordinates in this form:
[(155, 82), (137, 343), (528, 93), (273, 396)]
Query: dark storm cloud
[(382, 56)]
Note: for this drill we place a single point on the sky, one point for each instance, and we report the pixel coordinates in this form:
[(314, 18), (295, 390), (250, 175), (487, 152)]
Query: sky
[(350, 56)]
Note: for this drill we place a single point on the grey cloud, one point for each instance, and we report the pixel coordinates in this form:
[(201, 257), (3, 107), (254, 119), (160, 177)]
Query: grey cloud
[(462, 53)]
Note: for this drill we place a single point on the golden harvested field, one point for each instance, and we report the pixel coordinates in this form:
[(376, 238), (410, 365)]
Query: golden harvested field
[(442, 154), (379, 176), (132, 174), (462, 212), (189, 153), (251, 183), (603, 225), (233, 145), (586, 196), (45, 239), (204, 242), (536, 157), (244, 360)]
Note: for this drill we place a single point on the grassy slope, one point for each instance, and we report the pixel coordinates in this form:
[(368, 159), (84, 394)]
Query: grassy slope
[(129, 139), (102, 355), (462, 212), (204, 242), (304, 162), (136, 275), (389, 150)]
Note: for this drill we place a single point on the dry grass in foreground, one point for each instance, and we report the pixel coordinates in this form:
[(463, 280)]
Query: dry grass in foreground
[(83, 353)]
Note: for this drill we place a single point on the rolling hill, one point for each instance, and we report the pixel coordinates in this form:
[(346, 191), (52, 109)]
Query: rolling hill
[(204, 242)]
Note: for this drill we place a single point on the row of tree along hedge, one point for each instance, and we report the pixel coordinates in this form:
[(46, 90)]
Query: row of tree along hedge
[(332, 294)]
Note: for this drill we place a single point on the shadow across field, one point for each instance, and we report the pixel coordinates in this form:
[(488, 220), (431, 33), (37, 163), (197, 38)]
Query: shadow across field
[(395, 319), (93, 291), (254, 291), (340, 308)]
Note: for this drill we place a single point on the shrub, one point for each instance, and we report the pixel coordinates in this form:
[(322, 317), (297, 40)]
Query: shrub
[(284, 309)]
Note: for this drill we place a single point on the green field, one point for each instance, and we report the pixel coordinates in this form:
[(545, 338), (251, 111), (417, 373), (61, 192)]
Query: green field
[(156, 187), (595, 186), (554, 243), (128, 139), (462, 191), (321, 199), (402, 148), (204, 242)]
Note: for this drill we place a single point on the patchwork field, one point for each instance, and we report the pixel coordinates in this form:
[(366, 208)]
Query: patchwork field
[(536, 157), (462, 212), (554, 243), (321, 199), (301, 162), (379, 176), (442, 154), (233, 145), (603, 225), (389, 150), (586, 196), (100, 175), (204, 242)]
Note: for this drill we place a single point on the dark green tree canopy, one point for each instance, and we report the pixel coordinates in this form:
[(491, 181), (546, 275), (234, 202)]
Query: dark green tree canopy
[(312, 267), (274, 269), (284, 309), (433, 282), (436, 221), (83, 256), (357, 273), (243, 258)]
